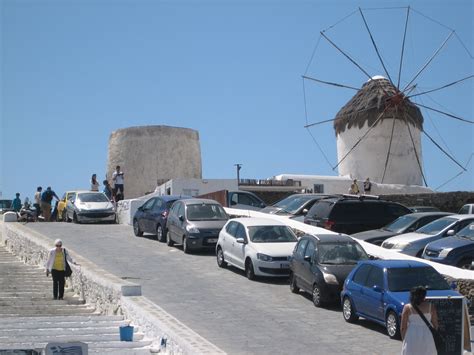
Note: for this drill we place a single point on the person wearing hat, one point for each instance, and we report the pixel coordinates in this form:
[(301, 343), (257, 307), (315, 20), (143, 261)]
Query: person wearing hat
[(56, 265)]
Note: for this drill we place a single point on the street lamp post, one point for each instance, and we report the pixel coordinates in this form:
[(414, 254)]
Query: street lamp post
[(238, 167)]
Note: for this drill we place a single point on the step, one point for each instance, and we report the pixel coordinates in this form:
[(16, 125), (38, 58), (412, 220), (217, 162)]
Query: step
[(63, 318), (45, 312), (51, 325), (113, 351), (106, 328), (87, 338), (92, 345)]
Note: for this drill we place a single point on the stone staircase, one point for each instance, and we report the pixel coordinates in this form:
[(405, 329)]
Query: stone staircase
[(30, 318)]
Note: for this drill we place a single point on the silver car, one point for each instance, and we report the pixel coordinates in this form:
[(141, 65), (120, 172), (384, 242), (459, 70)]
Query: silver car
[(90, 206), (414, 243)]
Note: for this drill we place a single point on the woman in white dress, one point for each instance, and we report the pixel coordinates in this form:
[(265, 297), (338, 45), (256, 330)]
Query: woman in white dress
[(417, 337)]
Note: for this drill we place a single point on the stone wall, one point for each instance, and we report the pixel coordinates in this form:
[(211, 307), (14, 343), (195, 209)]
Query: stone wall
[(445, 201)]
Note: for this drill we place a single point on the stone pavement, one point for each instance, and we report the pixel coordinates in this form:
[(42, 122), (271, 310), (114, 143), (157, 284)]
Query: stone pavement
[(237, 315), (30, 318)]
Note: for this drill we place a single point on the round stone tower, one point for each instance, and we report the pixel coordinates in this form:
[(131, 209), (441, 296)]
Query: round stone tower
[(396, 135), (148, 155)]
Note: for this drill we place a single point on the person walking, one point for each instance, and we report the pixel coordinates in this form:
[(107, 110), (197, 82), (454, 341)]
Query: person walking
[(117, 177), (354, 189), (367, 186), (16, 203), (417, 337), (46, 198), (56, 266), (94, 183), (108, 190), (37, 203)]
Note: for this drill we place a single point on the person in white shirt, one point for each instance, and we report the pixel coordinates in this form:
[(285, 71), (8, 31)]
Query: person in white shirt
[(117, 177), (94, 183), (37, 203)]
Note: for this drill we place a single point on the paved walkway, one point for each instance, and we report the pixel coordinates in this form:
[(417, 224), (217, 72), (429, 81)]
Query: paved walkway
[(238, 315), (30, 318)]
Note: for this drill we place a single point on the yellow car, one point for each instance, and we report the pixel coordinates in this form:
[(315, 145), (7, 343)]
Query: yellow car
[(68, 196)]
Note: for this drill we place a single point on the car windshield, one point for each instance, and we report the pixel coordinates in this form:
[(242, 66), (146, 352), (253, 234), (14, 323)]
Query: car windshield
[(205, 211), (93, 197), (400, 224), (436, 226), (404, 279), (467, 232), (340, 253), (271, 234), (292, 204)]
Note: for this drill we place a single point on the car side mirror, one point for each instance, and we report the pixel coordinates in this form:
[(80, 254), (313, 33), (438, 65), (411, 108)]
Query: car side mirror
[(305, 211), (377, 288), (307, 258), (181, 218), (240, 241), (450, 232)]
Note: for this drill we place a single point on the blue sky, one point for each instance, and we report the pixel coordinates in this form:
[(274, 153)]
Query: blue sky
[(74, 71)]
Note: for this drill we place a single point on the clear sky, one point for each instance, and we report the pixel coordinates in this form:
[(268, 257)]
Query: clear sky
[(74, 71)]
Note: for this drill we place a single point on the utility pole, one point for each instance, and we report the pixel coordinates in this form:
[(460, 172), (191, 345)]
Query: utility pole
[(238, 166)]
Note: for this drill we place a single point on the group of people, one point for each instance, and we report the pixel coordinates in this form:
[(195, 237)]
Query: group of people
[(43, 199), (354, 189)]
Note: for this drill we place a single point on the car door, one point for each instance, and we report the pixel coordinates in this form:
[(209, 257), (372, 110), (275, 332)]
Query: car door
[(298, 259), (71, 200), (154, 214), (357, 284), (238, 249), (172, 218), (372, 294), (144, 221), (228, 237), (306, 271), (180, 226)]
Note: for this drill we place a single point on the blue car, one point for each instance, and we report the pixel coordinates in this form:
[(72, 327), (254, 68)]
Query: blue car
[(377, 290), (457, 250), (151, 217)]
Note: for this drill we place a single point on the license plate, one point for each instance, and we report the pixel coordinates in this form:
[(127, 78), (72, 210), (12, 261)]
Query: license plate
[(212, 240), (284, 266)]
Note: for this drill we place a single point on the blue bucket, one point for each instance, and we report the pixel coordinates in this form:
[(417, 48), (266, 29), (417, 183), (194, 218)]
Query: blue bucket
[(126, 333)]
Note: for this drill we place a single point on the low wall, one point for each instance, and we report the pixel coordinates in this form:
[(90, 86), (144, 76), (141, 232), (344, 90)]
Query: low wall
[(445, 201), (109, 294)]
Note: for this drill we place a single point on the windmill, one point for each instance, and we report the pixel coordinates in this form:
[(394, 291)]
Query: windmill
[(379, 130)]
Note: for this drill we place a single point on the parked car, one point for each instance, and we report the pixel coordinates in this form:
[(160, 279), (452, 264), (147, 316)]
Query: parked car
[(236, 199), (260, 246), (413, 243), (404, 224), (195, 223), (5, 206), (348, 214), (377, 290), (294, 205), (90, 206), (151, 217), (320, 264), (467, 209), (457, 250), (423, 209), (62, 203)]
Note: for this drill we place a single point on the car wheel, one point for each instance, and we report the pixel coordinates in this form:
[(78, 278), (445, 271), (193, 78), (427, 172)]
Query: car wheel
[(249, 271), (136, 229), (74, 218), (160, 233), (220, 258), (465, 263), (169, 242), (293, 285), (185, 246), (391, 323), (348, 311), (317, 296)]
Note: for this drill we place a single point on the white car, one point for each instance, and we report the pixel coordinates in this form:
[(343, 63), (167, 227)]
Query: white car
[(260, 246), (414, 243), (90, 206)]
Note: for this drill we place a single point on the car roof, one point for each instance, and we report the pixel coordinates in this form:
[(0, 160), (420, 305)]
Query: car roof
[(257, 221), (461, 217), (394, 264), (199, 201), (171, 197), (330, 238), (425, 214)]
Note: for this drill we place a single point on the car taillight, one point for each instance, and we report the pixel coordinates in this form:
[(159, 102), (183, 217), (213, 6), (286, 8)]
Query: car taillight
[(164, 214), (329, 224)]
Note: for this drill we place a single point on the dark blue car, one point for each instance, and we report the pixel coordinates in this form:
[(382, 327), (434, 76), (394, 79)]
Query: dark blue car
[(377, 290), (457, 250), (151, 217)]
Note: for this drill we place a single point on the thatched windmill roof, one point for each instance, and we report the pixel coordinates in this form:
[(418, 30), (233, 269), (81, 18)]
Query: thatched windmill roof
[(369, 103)]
